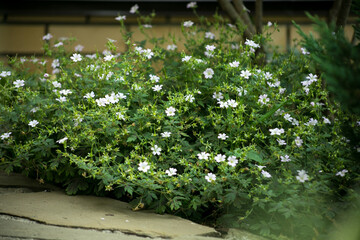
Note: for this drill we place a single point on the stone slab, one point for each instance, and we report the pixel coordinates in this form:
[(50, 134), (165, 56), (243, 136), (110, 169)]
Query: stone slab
[(17, 228), (57, 208)]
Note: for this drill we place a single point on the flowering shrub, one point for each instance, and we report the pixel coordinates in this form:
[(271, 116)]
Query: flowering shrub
[(204, 133)]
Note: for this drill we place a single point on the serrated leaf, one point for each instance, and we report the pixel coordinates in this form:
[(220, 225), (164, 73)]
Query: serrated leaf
[(252, 155), (131, 138)]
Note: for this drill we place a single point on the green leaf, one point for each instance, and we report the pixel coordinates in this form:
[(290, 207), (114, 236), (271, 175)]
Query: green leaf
[(252, 155), (129, 189), (76, 185), (131, 138), (271, 112)]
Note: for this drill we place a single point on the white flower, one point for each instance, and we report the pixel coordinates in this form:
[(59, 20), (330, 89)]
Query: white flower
[(156, 150), (220, 158), (232, 103), (76, 57), (134, 8), (210, 177), (157, 88), (186, 58), (210, 48), (166, 134), (241, 91), (91, 56), (101, 102), (279, 112), (326, 120), (276, 131), (148, 53), (209, 35), (263, 99), (171, 172), (56, 84), (154, 78), (62, 140), (281, 142), (33, 123), (265, 174), (295, 122), (302, 176), (19, 83), (232, 161), (170, 111), (191, 5), (5, 135), (61, 99), (203, 155), (208, 73), (120, 116), (120, 95), (144, 166), (58, 44), (234, 64), (188, 23), (311, 122), (342, 173), (285, 158), (189, 98), (120, 18), (223, 136), (260, 167), (304, 51), (287, 117), (298, 141), (90, 95), (65, 92), (268, 76), (34, 110), (47, 37), (108, 57), (5, 74), (171, 47), (223, 104), (312, 78), (55, 63), (78, 48), (235, 46), (245, 74), (269, 24), (251, 44), (218, 96)]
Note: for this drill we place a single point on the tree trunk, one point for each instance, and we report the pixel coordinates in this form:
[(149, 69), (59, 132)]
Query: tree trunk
[(241, 9), (343, 13), (233, 14), (259, 16), (334, 11)]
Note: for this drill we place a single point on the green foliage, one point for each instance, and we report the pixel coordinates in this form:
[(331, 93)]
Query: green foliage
[(339, 61), (203, 133)]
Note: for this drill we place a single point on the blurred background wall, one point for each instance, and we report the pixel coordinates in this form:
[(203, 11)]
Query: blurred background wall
[(23, 23)]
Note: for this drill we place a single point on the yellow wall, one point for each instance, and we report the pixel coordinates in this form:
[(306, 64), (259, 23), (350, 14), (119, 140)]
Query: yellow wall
[(23, 34)]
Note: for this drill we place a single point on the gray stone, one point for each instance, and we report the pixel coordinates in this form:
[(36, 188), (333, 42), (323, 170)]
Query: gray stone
[(55, 208)]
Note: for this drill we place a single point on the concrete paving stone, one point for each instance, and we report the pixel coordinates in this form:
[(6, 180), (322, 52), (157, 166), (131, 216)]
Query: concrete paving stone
[(18, 228)]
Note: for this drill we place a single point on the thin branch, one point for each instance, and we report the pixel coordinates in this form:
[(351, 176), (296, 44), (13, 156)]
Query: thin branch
[(333, 13), (235, 17), (343, 13), (242, 10), (258, 16)]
